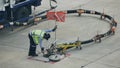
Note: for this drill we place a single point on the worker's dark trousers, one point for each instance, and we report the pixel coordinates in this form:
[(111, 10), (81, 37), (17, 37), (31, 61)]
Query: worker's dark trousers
[(32, 48)]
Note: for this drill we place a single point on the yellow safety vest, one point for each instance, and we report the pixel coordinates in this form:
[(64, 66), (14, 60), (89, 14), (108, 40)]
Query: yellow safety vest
[(36, 34)]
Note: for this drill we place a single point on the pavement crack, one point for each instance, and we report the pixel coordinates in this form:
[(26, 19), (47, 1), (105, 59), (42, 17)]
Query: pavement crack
[(100, 59)]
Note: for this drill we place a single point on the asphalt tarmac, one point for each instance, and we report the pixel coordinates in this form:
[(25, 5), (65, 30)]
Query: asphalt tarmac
[(14, 45)]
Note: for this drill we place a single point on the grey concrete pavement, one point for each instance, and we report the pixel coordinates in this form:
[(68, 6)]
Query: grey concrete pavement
[(14, 45)]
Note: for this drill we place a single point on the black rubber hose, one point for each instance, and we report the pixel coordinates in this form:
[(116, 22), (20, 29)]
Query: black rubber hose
[(71, 11), (87, 41), (112, 23)]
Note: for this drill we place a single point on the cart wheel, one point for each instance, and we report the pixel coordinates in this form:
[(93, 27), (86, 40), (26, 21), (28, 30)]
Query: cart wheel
[(79, 14), (80, 48)]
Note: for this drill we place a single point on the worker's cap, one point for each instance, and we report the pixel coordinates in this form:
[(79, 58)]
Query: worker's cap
[(46, 36)]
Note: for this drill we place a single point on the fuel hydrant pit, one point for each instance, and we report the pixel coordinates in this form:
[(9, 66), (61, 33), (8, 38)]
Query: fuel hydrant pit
[(56, 57)]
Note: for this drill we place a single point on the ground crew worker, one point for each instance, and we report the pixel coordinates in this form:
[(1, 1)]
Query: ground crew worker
[(36, 37)]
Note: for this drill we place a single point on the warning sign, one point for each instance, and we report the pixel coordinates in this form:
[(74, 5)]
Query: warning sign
[(58, 16)]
